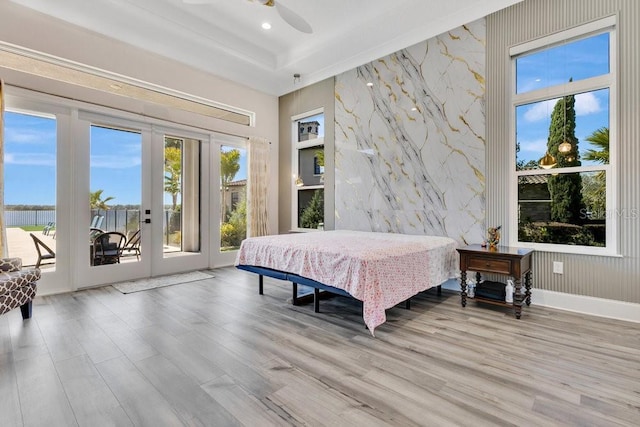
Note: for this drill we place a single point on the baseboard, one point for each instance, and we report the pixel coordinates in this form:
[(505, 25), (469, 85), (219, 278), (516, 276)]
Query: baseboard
[(601, 307)]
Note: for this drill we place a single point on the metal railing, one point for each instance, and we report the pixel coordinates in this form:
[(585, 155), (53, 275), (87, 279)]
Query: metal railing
[(122, 220)]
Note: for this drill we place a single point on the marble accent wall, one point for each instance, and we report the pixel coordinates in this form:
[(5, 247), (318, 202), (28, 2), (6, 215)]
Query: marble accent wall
[(410, 149)]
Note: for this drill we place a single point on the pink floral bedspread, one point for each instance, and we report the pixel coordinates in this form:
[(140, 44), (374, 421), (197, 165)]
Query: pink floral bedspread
[(379, 269)]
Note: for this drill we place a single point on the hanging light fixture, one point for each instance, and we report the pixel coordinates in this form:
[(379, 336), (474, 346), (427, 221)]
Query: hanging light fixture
[(565, 147), (299, 182), (547, 162)]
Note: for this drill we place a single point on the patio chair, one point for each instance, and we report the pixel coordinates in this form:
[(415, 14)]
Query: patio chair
[(96, 221), (107, 248), (133, 244), (44, 251), (94, 232), (48, 228)]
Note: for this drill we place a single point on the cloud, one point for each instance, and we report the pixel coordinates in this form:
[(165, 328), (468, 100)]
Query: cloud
[(114, 161), (30, 159), (24, 135), (536, 146), (586, 103), (540, 110)]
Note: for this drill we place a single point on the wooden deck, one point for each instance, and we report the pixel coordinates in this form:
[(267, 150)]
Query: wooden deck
[(215, 353)]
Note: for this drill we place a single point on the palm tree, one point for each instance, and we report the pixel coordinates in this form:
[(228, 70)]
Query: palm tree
[(173, 173), (229, 167), (599, 138), (96, 201), (595, 192)]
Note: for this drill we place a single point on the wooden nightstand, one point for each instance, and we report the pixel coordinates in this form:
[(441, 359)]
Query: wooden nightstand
[(514, 262)]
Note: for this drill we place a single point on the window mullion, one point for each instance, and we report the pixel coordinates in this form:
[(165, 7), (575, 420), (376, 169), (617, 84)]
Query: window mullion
[(570, 88)]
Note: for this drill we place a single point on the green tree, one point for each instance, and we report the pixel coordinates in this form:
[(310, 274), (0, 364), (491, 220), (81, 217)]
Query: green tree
[(596, 189), (97, 202), (565, 189), (229, 167), (600, 139), (313, 214), (235, 230), (172, 173)]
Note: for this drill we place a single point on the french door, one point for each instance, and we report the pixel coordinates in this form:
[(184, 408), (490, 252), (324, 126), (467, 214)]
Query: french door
[(143, 184), (99, 170)]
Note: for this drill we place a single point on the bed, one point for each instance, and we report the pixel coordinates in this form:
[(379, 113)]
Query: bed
[(379, 269)]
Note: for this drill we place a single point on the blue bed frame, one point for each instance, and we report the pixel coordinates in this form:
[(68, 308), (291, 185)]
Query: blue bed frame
[(299, 280)]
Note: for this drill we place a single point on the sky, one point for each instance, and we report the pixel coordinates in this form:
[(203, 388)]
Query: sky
[(30, 162), (576, 60), (30, 141)]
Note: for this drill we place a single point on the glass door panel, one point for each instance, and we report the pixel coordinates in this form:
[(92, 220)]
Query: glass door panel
[(115, 196), (30, 177), (181, 219), (233, 197)]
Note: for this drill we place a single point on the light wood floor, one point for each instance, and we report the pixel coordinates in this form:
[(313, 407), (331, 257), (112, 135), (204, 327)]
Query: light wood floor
[(216, 353)]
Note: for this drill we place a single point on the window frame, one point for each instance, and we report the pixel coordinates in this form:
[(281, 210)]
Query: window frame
[(607, 81), (296, 146)]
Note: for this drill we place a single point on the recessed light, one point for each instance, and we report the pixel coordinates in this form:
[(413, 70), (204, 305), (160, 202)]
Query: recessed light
[(369, 84), (266, 26), (115, 86), (414, 109)]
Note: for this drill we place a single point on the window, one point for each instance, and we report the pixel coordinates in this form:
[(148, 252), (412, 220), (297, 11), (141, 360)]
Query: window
[(308, 170), (181, 219), (564, 122), (233, 196)]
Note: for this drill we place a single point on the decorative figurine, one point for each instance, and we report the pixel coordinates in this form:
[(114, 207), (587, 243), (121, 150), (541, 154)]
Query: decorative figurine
[(493, 236)]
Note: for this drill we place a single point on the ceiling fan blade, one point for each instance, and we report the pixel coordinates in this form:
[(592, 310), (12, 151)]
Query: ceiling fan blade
[(293, 19)]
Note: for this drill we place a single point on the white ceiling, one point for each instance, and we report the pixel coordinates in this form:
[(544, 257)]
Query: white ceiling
[(225, 37)]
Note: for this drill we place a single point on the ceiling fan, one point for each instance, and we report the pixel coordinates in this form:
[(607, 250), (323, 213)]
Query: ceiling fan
[(289, 16)]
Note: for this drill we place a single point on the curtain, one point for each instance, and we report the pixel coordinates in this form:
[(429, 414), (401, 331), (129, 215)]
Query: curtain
[(3, 231), (257, 188)]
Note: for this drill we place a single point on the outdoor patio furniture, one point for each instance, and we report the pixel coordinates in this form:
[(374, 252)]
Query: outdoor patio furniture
[(96, 221), (51, 226), (133, 244), (17, 286), (94, 232), (107, 248), (44, 251)]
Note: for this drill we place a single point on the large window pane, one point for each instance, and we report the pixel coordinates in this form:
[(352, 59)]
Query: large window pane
[(577, 60), (550, 212), (115, 184), (311, 165), (311, 127), (311, 208), (181, 225), (233, 196), (587, 120), (30, 185)]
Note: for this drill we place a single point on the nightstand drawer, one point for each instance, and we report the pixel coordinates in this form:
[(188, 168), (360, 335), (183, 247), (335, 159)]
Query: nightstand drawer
[(490, 265)]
